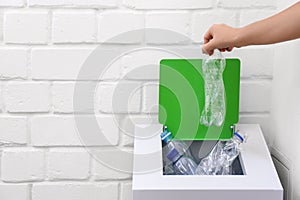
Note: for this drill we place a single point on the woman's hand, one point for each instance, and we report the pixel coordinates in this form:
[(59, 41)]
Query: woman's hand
[(281, 27), (220, 36)]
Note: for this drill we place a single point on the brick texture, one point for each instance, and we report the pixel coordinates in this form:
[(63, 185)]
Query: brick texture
[(14, 191), (68, 164), (63, 131), (246, 3), (129, 92), (13, 130), (150, 104), (20, 165), (255, 96), (27, 97), (74, 191), (74, 27), (74, 3), (126, 191), (172, 27), (110, 165), (168, 4), (63, 95), (12, 3), (251, 16), (251, 61), (113, 27), (58, 63), (201, 21), (26, 27), (1, 26), (13, 63)]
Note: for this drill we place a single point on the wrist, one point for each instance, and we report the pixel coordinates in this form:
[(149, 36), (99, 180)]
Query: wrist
[(237, 37)]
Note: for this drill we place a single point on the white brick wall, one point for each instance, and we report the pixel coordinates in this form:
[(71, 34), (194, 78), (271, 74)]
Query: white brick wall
[(116, 165), (168, 4), (256, 62), (126, 191), (19, 165), (201, 21), (128, 123), (12, 3), (68, 164), (255, 96), (102, 172), (74, 3), (111, 24), (53, 131), (63, 95), (128, 92), (250, 16), (1, 25), (27, 97), (56, 130), (246, 3), (143, 65), (177, 22), (13, 130), (43, 46), (57, 63), (1, 99), (26, 27), (13, 63), (150, 103), (75, 191), (74, 26), (14, 192)]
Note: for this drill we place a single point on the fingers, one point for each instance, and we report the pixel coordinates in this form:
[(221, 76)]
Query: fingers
[(226, 49), (229, 49), (209, 47), (208, 36), (218, 36)]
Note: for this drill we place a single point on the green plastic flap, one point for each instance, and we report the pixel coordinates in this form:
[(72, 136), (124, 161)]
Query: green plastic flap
[(181, 99)]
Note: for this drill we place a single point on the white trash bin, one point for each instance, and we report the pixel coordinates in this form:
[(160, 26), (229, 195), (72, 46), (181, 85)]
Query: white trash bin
[(258, 182)]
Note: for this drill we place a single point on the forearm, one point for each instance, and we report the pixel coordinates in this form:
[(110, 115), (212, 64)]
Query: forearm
[(278, 28)]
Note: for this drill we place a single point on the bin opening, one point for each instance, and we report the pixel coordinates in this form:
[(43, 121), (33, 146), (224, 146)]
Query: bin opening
[(199, 150)]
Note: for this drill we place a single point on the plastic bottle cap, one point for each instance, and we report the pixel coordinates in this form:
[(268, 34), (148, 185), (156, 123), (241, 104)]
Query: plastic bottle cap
[(163, 134), (239, 136), (166, 136)]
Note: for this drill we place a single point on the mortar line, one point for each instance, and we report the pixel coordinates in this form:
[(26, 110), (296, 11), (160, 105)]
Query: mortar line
[(29, 192)]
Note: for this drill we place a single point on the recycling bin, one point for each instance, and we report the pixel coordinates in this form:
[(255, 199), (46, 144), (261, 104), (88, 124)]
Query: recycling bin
[(258, 181), (181, 102)]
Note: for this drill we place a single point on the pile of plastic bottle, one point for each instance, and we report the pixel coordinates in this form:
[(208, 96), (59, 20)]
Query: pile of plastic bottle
[(178, 160)]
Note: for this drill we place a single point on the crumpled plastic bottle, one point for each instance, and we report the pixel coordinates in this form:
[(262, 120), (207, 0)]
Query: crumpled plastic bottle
[(214, 109), (220, 159)]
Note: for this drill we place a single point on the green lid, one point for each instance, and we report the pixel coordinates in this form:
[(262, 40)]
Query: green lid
[(181, 99)]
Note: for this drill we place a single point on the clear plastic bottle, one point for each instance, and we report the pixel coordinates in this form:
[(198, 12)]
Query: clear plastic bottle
[(168, 144), (214, 109), (182, 164), (168, 169), (220, 159)]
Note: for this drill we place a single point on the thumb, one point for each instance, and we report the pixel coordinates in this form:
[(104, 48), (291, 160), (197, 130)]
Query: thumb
[(209, 47)]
